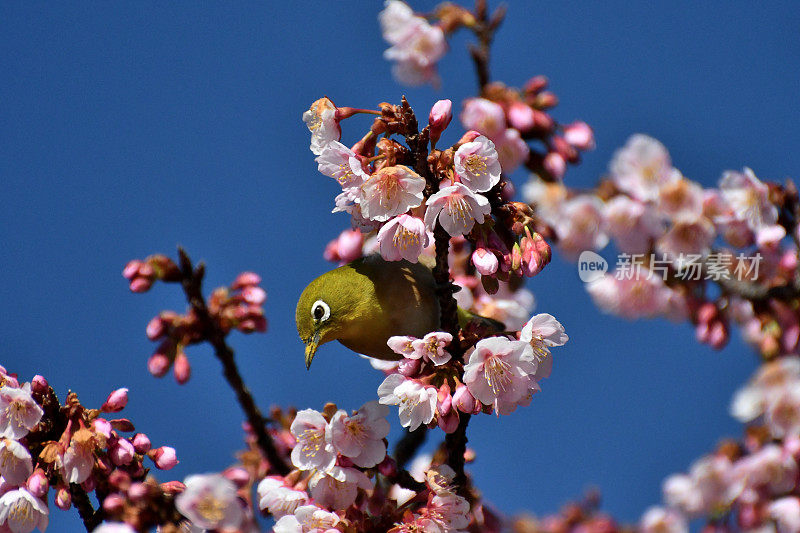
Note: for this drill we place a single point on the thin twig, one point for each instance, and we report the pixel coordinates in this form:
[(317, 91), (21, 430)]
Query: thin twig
[(484, 30), (192, 279), (456, 444)]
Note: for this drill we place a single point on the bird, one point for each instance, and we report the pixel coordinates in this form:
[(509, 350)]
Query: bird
[(363, 303)]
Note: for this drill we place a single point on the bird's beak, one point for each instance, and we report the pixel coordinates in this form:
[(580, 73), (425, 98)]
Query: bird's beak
[(311, 348)]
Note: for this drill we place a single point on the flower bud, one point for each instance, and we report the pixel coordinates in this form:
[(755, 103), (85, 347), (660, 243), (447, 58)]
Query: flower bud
[(463, 400), (37, 483), (122, 452), (440, 116), (388, 467), (131, 270), (181, 368), (246, 279), (102, 427), (254, 295), (138, 491), (521, 117), (172, 487), (555, 165), (63, 499), (155, 328), (113, 503), (39, 384), (485, 262), (349, 245), (116, 401), (449, 422), (141, 284), (409, 367), (579, 135), (164, 457), (237, 475), (468, 137), (546, 100), (141, 443), (535, 85), (718, 335)]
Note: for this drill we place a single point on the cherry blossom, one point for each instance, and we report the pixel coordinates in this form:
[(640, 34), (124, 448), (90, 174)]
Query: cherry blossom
[(308, 519), (749, 198), (210, 502), (416, 48), (360, 436), (278, 499), (512, 150), (631, 224), (19, 413), (390, 192), (403, 237), (581, 226), (338, 486), (660, 520), (417, 402), (543, 331), (340, 163), (78, 460), (786, 513), (432, 347), (313, 449), (457, 209), (22, 512), (321, 121), (642, 167), (500, 370), (484, 116), (477, 165), (15, 462)]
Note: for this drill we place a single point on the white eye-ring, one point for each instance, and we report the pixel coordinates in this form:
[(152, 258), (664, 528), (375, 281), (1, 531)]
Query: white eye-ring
[(320, 311)]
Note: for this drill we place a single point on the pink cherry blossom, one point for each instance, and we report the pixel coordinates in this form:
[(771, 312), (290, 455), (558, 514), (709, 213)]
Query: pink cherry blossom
[(432, 347), (457, 209), (579, 135), (116, 401), (360, 436), (22, 512), (642, 295), (512, 150), (500, 370), (581, 226), (78, 460), (748, 197), (686, 238), (477, 165), (395, 20), (681, 199), (555, 165), (337, 487), (542, 332), (449, 511), (547, 197), (321, 121), (313, 450), (642, 167), (15, 462), (483, 115), (164, 457), (417, 402), (403, 237), (390, 192), (114, 527), (210, 502), (340, 163), (632, 224), (277, 498), (308, 519), (417, 49), (786, 513), (660, 520), (403, 345), (19, 413)]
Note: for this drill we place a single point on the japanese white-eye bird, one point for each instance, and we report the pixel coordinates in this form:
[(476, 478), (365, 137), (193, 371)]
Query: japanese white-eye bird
[(365, 302)]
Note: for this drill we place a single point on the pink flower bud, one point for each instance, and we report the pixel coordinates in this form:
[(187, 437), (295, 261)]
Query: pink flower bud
[(440, 116), (164, 457), (141, 443), (485, 262), (788, 261), (182, 369), (445, 403), (102, 427), (409, 367), (707, 312), (449, 422), (141, 284), (122, 452), (116, 401), (246, 279), (119, 479), (172, 487), (521, 116), (138, 491), (155, 328), (146, 270), (555, 165), (131, 269), (579, 135), (546, 100), (349, 245), (39, 384), (254, 295), (567, 151), (388, 467), (468, 137), (463, 399), (535, 85), (237, 475), (543, 121), (37, 483), (63, 499), (516, 257), (113, 503), (344, 462), (718, 335)]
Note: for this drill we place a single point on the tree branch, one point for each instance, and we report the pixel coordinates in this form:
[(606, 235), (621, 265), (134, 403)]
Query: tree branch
[(191, 281)]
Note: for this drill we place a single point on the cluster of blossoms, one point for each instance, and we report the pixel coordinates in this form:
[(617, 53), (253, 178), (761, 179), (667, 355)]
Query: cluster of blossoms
[(753, 485), (74, 451), (676, 238), (236, 307)]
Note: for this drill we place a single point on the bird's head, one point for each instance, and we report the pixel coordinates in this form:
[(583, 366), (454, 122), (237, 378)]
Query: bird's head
[(318, 315)]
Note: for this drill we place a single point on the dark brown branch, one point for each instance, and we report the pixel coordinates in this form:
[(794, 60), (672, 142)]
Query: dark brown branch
[(191, 280), (91, 518), (408, 445), (456, 445), (484, 30)]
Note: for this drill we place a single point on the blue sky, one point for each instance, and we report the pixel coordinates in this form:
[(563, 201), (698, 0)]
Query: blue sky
[(126, 129)]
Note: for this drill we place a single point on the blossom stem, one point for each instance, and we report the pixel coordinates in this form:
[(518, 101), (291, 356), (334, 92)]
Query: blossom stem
[(191, 281), (484, 30)]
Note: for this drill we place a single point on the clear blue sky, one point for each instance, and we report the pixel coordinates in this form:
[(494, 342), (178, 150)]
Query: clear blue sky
[(129, 128)]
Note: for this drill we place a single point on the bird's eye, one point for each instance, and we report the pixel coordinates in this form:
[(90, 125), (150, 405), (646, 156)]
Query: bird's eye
[(320, 311)]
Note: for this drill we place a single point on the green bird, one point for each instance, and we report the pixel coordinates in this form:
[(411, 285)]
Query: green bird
[(365, 302)]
